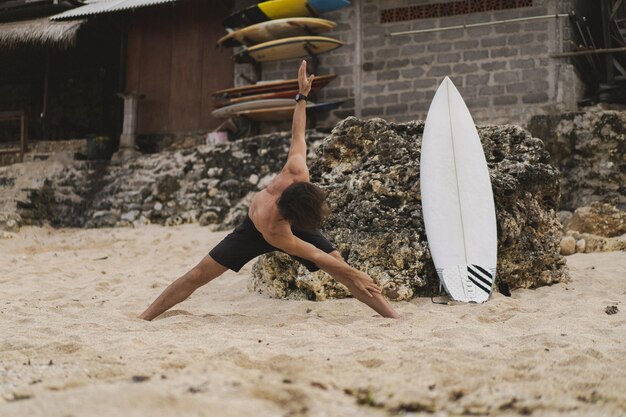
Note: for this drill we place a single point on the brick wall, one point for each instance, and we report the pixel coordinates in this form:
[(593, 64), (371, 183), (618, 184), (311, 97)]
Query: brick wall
[(504, 71)]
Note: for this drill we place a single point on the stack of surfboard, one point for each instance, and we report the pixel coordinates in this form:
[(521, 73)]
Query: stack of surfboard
[(281, 29), (272, 31), (268, 100)]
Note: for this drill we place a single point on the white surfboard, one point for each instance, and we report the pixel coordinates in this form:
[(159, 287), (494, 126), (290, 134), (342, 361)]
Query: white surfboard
[(233, 109), (457, 200)]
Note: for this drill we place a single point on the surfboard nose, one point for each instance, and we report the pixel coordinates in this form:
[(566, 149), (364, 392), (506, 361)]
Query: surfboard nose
[(446, 85)]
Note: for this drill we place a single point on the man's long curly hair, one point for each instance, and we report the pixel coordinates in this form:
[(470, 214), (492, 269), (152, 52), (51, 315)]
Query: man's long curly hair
[(303, 205)]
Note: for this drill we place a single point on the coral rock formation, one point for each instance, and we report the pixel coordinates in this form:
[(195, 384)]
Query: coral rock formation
[(589, 149), (599, 227), (370, 172), (208, 184), (598, 219)]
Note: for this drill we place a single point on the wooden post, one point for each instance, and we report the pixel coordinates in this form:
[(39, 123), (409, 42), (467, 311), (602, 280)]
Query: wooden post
[(23, 119), (606, 10), (258, 71), (44, 110), (129, 130), (580, 52), (358, 59), (23, 136)]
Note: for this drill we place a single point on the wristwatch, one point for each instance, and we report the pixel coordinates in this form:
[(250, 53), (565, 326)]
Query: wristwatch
[(300, 97)]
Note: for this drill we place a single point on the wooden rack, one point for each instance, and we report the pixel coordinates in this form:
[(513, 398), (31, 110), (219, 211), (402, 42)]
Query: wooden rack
[(21, 116)]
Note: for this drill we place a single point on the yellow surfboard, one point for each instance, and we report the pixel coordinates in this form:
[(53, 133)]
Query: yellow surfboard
[(278, 9), (276, 29), (288, 48)]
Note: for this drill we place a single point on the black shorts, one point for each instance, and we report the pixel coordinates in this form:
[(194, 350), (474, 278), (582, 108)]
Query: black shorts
[(246, 243)]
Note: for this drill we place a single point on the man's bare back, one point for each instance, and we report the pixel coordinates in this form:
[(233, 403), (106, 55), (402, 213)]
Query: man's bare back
[(263, 209)]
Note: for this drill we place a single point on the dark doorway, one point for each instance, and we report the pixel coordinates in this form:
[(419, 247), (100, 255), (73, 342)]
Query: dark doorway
[(69, 93)]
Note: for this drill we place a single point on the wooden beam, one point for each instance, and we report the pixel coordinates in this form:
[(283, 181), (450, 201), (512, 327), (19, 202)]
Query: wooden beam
[(605, 10), (616, 7), (23, 136), (10, 115), (44, 106), (589, 52), (22, 118)]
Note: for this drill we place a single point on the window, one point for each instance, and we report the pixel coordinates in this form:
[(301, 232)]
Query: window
[(451, 8)]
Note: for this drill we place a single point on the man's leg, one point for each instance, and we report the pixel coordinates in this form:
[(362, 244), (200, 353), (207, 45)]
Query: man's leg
[(376, 301), (207, 270)]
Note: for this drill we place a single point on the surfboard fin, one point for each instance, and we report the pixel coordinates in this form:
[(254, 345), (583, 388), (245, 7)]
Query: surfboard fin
[(467, 282), (503, 287), (432, 299)]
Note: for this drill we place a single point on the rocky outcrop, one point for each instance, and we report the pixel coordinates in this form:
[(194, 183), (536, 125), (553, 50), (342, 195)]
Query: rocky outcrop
[(588, 243), (206, 184), (599, 227), (9, 222), (598, 219), (26, 194), (370, 171), (589, 150)]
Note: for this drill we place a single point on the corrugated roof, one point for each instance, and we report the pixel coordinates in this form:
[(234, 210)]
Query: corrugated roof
[(40, 31), (94, 7)]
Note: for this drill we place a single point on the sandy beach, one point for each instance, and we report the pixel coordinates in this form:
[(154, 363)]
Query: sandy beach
[(71, 344)]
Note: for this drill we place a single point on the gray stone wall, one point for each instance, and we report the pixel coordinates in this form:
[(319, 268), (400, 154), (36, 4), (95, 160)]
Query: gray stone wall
[(504, 72)]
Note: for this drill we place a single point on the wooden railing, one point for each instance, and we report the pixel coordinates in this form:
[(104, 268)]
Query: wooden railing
[(21, 116)]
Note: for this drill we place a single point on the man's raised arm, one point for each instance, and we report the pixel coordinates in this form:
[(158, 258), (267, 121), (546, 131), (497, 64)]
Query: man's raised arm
[(296, 160)]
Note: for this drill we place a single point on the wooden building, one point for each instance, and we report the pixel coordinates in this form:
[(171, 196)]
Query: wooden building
[(173, 60), (67, 72)]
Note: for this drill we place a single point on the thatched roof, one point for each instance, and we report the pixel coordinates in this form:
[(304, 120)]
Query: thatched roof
[(96, 7), (39, 32)]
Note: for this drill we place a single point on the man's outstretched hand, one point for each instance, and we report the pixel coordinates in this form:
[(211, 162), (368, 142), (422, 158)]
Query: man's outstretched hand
[(304, 82), (362, 286), (364, 282)]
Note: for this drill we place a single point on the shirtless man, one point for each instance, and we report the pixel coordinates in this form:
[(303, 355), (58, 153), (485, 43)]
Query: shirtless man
[(285, 216)]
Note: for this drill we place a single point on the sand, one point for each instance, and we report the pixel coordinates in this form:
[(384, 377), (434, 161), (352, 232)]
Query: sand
[(71, 345)]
